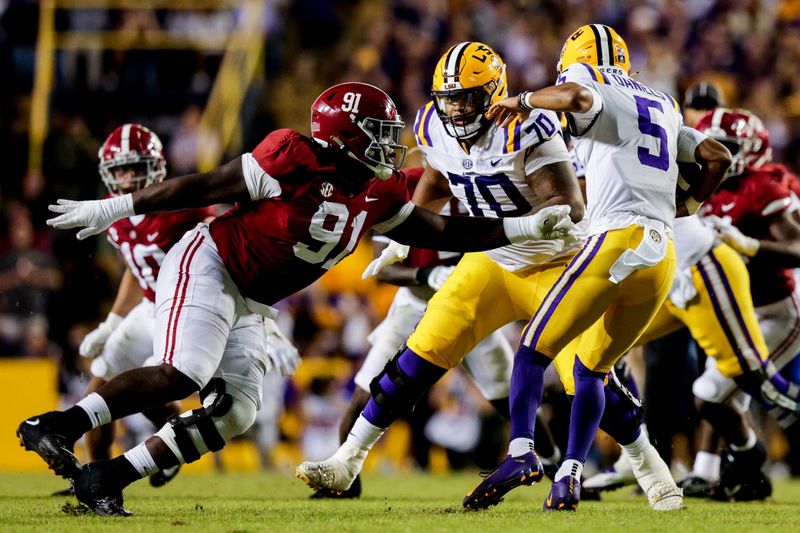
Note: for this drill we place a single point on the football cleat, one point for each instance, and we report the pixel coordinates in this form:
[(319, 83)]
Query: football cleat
[(665, 496), (695, 486), (162, 477), (512, 472), (92, 489), (741, 478), (353, 492), (332, 474), (37, 434), (565, 495), (615, 476)]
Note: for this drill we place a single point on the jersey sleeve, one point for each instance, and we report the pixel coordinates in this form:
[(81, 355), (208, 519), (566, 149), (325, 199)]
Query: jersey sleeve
[(589, 77), (688, 140), (279, 155), (771, 198), (395, 201)]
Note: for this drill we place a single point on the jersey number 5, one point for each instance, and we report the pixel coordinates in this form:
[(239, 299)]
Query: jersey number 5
[(649, 127), (326, 240)]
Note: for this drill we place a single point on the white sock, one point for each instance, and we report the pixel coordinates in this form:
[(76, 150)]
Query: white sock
[(139, 456), (751, 441), (706, 466), (638, 446), (570, 467), (97, 409), (520, 446), (360, 440)]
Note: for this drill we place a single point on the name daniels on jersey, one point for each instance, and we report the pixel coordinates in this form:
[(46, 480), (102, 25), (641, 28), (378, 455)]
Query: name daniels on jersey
[(630, 83)]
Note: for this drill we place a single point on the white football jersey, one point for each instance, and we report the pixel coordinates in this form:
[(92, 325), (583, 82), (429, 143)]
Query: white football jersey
[(629, 141), (693, 240), (491, 180)]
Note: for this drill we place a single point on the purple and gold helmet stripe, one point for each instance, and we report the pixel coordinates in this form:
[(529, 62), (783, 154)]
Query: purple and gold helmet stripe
[(422, 125), (533, 331)]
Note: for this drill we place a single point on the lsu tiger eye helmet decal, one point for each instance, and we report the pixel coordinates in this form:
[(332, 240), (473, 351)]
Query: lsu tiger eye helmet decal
[(597, 45), (468, 79)]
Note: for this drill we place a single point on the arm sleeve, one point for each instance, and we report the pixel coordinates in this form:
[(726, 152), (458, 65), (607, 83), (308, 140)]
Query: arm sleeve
[(260, 185), (688, 140)]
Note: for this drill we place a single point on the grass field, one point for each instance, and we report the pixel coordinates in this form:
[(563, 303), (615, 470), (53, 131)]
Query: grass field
[(278, 502)]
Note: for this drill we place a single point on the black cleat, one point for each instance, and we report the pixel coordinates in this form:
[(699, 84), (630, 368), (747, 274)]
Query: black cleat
[(162, 477), (696, 487), (92, 489), (741, 478), (37, 434), (353, 492)]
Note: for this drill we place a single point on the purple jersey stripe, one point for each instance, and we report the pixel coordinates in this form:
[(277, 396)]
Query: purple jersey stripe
[(591, 71), (517, 136), (426, 125)]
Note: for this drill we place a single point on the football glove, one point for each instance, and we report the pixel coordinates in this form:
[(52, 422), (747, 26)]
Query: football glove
[(730, 235), (281, 353), (94, 341), (550, 223), (94, 216), (394, 253)]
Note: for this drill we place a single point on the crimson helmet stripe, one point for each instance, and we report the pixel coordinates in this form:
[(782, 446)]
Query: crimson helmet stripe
[(598, 43), (454, 59), (125, 139)]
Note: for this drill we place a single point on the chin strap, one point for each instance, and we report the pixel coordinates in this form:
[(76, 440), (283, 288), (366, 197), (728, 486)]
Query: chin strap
[(383, 173)]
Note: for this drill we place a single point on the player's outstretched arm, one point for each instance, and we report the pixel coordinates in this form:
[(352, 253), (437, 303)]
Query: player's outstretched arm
[(426, 229), (224, 184), (784, 229), (569, 97), (556, 184)]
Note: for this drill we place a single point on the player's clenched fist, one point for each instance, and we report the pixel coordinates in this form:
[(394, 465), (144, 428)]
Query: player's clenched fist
[(93, 215), (550, 223)]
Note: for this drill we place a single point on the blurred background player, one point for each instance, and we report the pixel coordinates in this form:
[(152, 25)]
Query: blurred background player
[(701, 97)]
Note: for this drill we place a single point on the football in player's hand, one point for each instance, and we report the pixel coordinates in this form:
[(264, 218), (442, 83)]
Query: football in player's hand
[(688, 178)]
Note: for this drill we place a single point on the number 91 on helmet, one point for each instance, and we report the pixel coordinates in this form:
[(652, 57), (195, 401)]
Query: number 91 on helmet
[(363, 121)]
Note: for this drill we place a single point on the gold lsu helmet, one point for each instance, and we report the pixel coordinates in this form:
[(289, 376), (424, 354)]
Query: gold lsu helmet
[(595, 44), (469, 78)]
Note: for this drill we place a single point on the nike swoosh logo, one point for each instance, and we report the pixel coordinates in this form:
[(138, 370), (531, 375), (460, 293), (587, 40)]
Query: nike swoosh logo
[(495, 162), (33, 421), (152, 236), (371, 199), (549, 501), (727, 207)]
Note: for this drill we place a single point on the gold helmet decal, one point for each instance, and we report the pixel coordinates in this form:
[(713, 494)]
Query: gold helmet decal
[(468, 78), (597, 45)]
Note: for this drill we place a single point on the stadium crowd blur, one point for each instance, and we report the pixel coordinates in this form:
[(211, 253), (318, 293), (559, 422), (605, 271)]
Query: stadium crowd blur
[(53, 288)]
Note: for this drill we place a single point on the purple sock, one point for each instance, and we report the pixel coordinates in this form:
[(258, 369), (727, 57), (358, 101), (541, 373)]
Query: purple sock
[(587, 409), (527, 385), (622, 417), (399, 394)]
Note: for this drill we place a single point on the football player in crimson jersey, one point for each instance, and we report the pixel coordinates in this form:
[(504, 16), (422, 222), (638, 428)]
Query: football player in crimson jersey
[(302, 203), (753, 212)]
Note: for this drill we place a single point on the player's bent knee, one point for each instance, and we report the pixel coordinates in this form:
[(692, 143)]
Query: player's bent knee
[(226, 413)]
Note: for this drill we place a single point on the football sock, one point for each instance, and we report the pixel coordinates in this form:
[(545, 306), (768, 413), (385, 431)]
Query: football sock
[(638, 446), (89, 413), (527, 385), (120, 472), (622, 417), (399, 394), (587, 409), (707, 466), (139, 457), (570, 467), (520, 446), (96, 407)]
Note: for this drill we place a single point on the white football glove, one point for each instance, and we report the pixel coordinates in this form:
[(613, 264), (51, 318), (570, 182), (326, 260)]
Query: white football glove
[(281, 353), (438, 275), (94, 341), (394, 253), (92, 215), (550, 223), (730, 235)]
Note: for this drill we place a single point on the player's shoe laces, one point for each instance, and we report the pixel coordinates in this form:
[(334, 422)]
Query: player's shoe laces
[(694, 486), (332, 473), (615, 476), (94, 489), (162, 477), (565, 495), (38, 435), (353, 492), (512, 472)]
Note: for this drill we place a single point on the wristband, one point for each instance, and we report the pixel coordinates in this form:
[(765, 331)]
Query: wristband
[(523, 101)]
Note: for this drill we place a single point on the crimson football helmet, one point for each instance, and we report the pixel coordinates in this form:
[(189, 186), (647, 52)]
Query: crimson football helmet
[(761, 152), (137, 147), (732, 128), (362, 119)]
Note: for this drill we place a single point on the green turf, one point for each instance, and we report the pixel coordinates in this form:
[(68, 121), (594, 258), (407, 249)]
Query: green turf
[(278, 502)]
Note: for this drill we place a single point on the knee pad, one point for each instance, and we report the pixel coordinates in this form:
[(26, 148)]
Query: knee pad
[(622, 417), (226, 413)]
